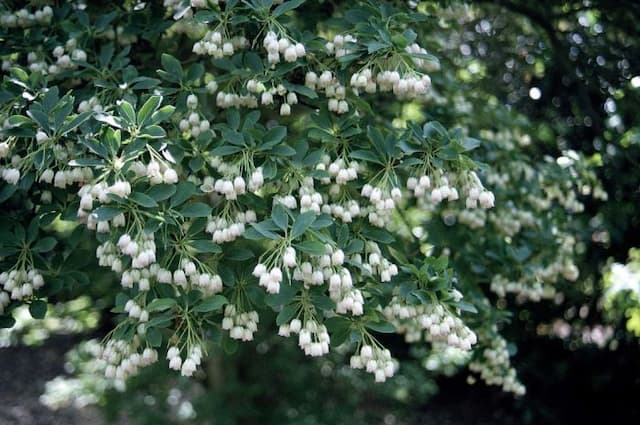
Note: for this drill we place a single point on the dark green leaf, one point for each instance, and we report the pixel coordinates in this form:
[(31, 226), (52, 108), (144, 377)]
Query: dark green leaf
[(44, 245), (160, 304), (38, 309), (210, 304), (302, 223)]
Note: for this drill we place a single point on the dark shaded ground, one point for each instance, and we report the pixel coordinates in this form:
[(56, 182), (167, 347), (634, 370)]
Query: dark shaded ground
[(23, 375), (588, 386), (26, 370)]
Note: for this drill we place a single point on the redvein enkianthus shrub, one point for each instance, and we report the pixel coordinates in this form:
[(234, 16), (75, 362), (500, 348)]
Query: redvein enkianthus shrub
[(227, 159)]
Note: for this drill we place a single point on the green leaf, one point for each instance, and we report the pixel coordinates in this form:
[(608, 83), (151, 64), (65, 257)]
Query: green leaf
[(172, 66), (468, 307), (470, 143), (160, 304), (7, 321), (153, 336), (196, 209), (286, 7), (106, 213), (275, 135), (262, 229), (238, 254), (149, 107), (153, 132), (74, 123), (225, 150), (210, 304), (311, 247), (280, 217), (162, 114), (378, 235), (382, 327), (126, 111), (302, 223), (286, 314), (160, 192), (205, 246), (184, 191), (38, 309), (44, 245), (143, 200)]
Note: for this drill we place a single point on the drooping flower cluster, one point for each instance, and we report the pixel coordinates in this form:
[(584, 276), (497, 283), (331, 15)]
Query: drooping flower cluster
[(313, 337), (240, 324), (20, 284), (433, 322), (495, 367), (218, 44), (383, 203), (373, 263), (282, 46), (375, 360), (189, 365), (228, 229), (124, 359), (22, 18)]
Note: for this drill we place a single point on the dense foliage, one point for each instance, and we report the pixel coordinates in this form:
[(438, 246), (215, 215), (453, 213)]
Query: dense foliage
[(216, 182)]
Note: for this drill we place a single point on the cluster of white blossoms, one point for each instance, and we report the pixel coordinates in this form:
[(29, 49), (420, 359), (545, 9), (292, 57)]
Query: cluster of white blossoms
[(333, 90), (382, 202), (288, 201), (313, 337), (537, 284), (346, 212), (474, 219), (157, 172), (407, 86), (141, 251), (123, 359), (415, 48), (240, 324), (233, 184), (226, 100), (363, 81), (10, 175), (275, 47), (289, 98), (423, 188), (525, 289), (341, 171), (432, 321), (340, 45), (79, 175), (485, 198), (374, 263), (92, 104), (24, 19), (135, 311), (228, 229), (66, 56), (20, 283), (269, 279), (188, 274), (190, 363), (193, 123), (495, 368), (375, 360), (310, 199), (511, 220), (119, 35), (217, 44)]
